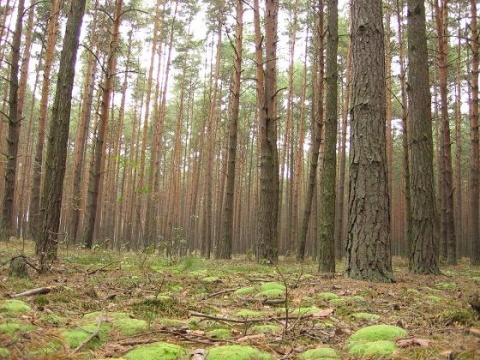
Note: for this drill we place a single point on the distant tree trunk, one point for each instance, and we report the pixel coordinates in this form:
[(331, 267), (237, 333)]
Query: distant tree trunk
[(224, 248), (98, 159), (423, 253), (474, 139), (448, 221), (458, 146), (8, 223), (58, 137), (368, 241), (326, 253), (267, 232), (317, 127)]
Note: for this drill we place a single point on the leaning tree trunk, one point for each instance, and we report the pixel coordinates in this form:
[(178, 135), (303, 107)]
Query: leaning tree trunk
[(58, 137)]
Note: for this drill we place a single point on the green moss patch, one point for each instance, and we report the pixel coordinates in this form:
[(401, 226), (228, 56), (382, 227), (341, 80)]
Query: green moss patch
[(130, 326), (74, 337), (157, 351), (4, 352), (262, 329), (302, 311), (10, 328), (434, 299), (328, 296), (245, 291), (13, 307), (318, 354), (272, 293), (377, 333), (380, 348), (366, 316), (272, 285), (337, 302), (237, 352), (211, 279), (220, 333)]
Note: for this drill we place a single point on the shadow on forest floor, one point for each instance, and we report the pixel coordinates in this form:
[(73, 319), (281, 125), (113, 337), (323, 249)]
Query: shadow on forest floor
[(102, 304)]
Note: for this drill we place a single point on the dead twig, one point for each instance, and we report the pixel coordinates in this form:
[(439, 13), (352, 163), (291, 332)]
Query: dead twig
[(260, 320), (218, 293), (101, 268)]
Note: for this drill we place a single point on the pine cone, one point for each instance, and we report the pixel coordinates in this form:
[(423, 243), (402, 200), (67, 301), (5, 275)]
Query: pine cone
[(474, 302)]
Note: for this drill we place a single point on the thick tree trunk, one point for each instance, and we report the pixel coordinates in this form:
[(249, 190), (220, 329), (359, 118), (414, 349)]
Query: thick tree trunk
[(368, 240), (58, 137), (423, 253)]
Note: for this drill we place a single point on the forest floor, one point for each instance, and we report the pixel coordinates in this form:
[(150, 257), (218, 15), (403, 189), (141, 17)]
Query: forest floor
[(102, 304)]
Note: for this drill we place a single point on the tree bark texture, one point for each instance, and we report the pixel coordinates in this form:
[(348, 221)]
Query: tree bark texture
[(368, 254), (56, 157), (423, 251)]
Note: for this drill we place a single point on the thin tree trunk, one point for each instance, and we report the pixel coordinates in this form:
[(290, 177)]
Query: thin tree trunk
[(224, 248), (98, 157), (8, 223), (317, 127), (326, 254)]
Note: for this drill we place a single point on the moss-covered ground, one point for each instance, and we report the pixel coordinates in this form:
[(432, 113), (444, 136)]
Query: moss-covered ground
[(109, 305)]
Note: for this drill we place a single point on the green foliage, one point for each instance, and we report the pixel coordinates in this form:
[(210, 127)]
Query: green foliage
[(220, 333)]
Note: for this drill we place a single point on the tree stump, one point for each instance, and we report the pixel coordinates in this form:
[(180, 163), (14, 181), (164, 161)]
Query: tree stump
[(18, 267)]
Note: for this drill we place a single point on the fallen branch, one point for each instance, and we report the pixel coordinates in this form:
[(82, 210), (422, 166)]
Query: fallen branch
[(101, 268), (92, 336), (227, 291), (264, 301), (37, 291)]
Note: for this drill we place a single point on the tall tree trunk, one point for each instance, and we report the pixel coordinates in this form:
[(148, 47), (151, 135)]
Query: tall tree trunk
[(317, 126), (474, 139), (8, 223), (423, 258), (267, 232), (24, 158), (448, 222), (35, 221), (368, 240), (224, 248), (58, 137), (339, 215), (326, 254), (405, 129), (82, 133), (98, 157)]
